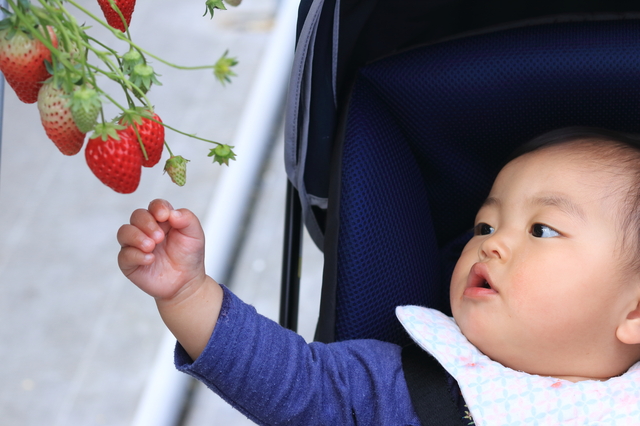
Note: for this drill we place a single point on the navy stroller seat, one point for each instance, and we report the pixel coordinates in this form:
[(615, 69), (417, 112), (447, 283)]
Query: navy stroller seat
[(423, 134)]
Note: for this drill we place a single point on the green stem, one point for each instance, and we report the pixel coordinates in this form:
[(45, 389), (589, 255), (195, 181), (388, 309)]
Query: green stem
[(113, 101), (191, 135), (34, 28), (117, 75), (119, 35), (168, 149), (104, 46), (69, 38), (80, 43)]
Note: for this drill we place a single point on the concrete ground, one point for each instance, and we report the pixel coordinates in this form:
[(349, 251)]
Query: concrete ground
[(78, 339)]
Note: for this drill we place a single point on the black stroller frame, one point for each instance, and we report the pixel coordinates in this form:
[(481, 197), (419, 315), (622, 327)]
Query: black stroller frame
[(405, 111)]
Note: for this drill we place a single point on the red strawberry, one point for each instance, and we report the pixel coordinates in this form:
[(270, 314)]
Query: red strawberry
[(22, 62), (151, 134), (115, 159), (126, 8), (57, 119)]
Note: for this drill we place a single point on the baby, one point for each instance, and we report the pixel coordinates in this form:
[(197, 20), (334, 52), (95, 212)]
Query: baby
[(546, 295)]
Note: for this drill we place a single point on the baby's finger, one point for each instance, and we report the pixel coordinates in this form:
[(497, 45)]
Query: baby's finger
[(131, 258), (160, 209), (132, 236), (146, 222)]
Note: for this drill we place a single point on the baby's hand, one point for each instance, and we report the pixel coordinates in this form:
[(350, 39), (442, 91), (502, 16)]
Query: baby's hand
[(162, 250)]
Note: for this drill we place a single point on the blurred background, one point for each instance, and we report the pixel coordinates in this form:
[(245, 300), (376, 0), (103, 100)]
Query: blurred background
[(77, 340)]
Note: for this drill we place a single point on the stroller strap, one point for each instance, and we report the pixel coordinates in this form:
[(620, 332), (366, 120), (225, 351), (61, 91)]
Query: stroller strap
[(428, 384)]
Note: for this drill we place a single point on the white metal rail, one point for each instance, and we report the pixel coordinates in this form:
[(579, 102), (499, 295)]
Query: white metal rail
[(4, 4), (164, 396)]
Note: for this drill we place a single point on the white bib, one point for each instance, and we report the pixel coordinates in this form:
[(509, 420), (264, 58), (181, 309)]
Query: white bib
[(497, 395)]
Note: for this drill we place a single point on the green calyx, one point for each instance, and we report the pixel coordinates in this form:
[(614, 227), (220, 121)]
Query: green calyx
[(130, 60), (135, 115), (222, 68), (212, 5), (222, 154), (105, 131), (8, 24), (143, 76)]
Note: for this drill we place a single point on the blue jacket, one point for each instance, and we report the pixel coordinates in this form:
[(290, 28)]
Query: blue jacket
[(274, 377)]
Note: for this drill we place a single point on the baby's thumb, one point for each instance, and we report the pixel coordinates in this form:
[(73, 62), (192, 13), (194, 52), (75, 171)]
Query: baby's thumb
[(187, 223)]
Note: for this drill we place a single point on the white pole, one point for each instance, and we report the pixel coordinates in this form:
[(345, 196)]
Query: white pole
[(3, 3), (164, 395)]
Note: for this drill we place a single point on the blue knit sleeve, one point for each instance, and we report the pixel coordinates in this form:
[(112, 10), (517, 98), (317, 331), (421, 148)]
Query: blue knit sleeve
[(274, 377)]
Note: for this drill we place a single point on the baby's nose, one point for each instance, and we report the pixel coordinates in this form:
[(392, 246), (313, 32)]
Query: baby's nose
[(494, 246)]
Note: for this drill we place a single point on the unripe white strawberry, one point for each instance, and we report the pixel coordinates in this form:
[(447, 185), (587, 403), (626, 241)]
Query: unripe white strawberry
[(176, 166), (57, 120), (22, 61)]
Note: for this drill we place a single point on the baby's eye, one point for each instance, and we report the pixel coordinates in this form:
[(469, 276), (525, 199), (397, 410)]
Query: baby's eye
[(539, 230), (483, 229)]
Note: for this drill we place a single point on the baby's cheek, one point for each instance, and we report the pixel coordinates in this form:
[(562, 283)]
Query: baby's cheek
[(531, 294), (520, 283), (461, 271)]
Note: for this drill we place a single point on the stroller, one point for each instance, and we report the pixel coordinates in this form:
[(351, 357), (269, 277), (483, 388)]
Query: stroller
[(400, 116)]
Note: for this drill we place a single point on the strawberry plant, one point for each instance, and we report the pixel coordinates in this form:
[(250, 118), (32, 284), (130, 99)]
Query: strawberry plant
[(48, 57)]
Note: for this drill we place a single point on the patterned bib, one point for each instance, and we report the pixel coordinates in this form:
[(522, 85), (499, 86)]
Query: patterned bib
[(497, 395)]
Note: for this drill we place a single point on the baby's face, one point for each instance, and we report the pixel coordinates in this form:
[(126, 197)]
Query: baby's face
[(541, 287)]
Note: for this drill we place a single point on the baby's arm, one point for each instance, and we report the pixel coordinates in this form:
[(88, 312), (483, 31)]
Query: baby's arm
[(163, 254), (266, 371)]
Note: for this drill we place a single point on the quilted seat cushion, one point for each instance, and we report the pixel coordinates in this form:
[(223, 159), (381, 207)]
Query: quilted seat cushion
[(427, 131)]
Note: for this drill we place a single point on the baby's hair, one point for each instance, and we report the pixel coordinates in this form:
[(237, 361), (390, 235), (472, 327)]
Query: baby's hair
[(618, 151), (575, 134)]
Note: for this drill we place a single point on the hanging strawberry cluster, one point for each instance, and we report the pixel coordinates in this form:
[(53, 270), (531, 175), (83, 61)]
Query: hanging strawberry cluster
[(44, 56)]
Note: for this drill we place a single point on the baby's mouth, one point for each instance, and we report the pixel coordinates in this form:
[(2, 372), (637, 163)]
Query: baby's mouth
[(478, 282)]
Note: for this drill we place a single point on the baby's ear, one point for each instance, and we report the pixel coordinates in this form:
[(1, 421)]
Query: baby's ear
[(628, 331)]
